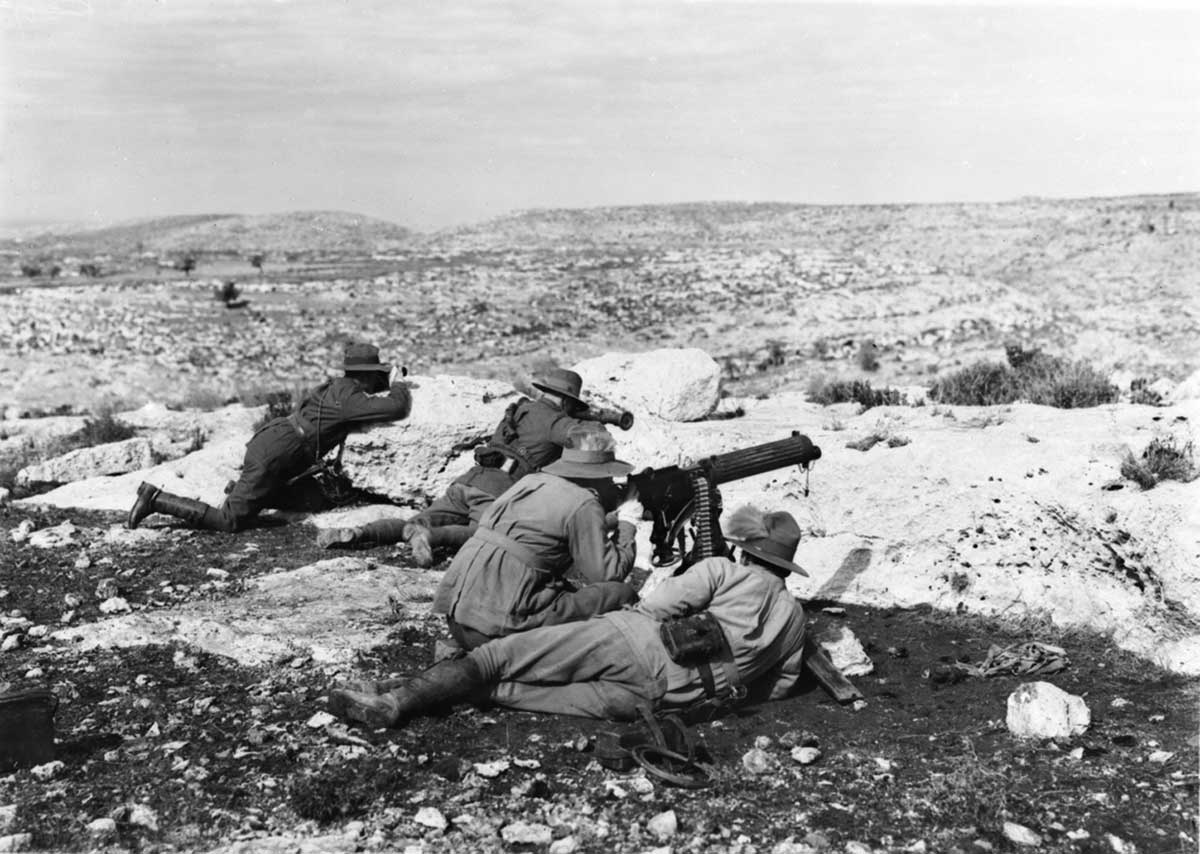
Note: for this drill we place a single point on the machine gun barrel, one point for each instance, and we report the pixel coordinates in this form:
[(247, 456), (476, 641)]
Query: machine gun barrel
[(618, 417), (797, 449)]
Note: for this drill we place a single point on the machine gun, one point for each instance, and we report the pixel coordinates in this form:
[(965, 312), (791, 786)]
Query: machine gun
[(673, 494), (618, 417)]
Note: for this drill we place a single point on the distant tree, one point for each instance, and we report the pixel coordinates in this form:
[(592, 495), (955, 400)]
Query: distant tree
[(257, 260), (228, 292), (89, 269), (31, 271), (187, 263), (54, 270)]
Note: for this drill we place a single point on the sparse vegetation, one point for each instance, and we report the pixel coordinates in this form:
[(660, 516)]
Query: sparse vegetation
[(99, 430), (1165, 458), (1029, 375), (279, 402), (1141, 393), (186, 264), (826, 392)]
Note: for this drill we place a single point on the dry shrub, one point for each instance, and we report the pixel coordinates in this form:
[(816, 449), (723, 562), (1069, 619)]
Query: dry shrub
[(203, 399), (826, 392), (1029, 375), (1164, 459), (98, 430), (967, 793)]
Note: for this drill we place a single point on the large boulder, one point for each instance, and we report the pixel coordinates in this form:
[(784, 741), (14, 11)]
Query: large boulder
[(1042, 710), (414, 460), (672, 384), (82, 463)]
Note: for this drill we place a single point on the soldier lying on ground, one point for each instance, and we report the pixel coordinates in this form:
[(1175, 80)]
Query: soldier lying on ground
[(512, 574), (531, 435), (286, 447), (719, 631)]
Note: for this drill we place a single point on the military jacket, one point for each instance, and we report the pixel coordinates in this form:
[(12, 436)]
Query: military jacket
[(533, 433)]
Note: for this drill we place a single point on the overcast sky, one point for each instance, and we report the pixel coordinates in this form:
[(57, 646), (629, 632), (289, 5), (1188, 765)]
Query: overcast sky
[(432, 114)]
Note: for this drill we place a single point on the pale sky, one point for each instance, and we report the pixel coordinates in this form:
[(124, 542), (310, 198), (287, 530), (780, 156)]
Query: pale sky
[(441, 113)]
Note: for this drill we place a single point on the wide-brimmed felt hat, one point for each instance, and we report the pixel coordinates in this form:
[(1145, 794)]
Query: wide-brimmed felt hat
[(360, 356), (588, 465), (771, 537), (560, 381)]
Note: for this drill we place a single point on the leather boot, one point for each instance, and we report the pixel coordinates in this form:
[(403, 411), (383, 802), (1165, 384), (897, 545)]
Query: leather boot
[(444, 684), (328, 538), (143, 505), (189, 510)]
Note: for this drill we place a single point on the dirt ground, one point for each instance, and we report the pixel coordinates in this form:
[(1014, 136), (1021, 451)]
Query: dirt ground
[(219, 752)]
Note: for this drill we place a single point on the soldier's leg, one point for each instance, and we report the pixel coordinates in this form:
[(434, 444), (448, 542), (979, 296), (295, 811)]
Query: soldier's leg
[(586, 669), (151, 499), (587, 601)]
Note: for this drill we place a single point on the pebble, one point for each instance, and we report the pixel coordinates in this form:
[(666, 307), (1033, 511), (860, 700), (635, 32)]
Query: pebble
[(763, 742), (38, 631), (102, 829), (566, 845), (114, 605), (856, 847), (143, 816), (72, 601), (21, 533), (491, 769), (757, 761), (1020, 834), (35, 673), (664, 825), (10, 643), (47, 771), (8, 817), (107, 588), (806, 755), (1119, 845), (319, 720), (641, 785), (215, 572), (526, 833), (431, 817), (83, 561)]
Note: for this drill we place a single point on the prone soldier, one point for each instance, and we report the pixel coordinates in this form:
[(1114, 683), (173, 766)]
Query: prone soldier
[(285, 448)]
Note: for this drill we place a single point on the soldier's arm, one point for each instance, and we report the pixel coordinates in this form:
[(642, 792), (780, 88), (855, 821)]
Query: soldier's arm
[(360, 407), (687, 593), (780, 680), (594, 555), (561, 427)]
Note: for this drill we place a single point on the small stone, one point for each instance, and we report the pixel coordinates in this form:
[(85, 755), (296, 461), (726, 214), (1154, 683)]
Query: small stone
[(1078, 835), (856, 847), (664, 825), (1161, 757), (763, 742), (431, 817), (114, 605), (791, 846), (614, 789), (143, 816), (757, 761), (10, 643), (38, 631), (72, 601), (217, 573), (107, 588), (641, 785), (526, 833), (1119, 703), (806, 755), (47, 771), (320, 720), (17, 842), (566, 845), (1020, 834), (35, 673), (1119, 845), (491, 769), (21, 533), (1041, 710), (102, 829), (8, 817)]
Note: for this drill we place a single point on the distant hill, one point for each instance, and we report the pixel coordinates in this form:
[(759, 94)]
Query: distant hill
[(275, 234)]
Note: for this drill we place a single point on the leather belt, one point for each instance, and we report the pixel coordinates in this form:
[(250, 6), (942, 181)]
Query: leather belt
[(518, 551)]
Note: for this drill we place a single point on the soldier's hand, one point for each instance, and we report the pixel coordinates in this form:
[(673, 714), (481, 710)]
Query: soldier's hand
[(631, 511)]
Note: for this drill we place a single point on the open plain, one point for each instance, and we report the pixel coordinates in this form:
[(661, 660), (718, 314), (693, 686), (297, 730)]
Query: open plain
[(191, 667)]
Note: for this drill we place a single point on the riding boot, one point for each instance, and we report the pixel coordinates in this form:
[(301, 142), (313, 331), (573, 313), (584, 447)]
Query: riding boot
[(419, 540), (151, 499), (442, 685)]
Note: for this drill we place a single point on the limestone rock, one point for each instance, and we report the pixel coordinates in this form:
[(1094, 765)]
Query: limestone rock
[(102, 829), (672, 384), (664, 825), (8, 817), (54, 537), (1020, 834), (757, 761), (100, 460), (526, 833), (16, 842), (845, 651), (1189, 389), (431, 817), (1042, 710)]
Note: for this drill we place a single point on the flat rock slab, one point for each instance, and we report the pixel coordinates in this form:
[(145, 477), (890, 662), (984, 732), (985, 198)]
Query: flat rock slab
[(326, 610)]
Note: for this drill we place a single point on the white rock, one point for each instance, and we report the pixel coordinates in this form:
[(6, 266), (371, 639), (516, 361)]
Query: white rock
[(114, 605), (1041, 710), (806, 755), (17, 842), (1020, 834), (1119, 845), (431, 817), (855, 847), (5, 496), (10, 643), (320, 720), (8, 817), (21, 533), (143, 816), (641, 784), (83, 463), (526, 833), (51, 538), (845, 651), (566, 845), (664, 825), (673, 384), (47, 771), (102, 829), (35, 673), (491, 769), (757, 761), (1189, 389), (763, 742), (791, 846)]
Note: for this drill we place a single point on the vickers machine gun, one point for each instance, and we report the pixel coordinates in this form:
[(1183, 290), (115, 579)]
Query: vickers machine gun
[(674, 494)]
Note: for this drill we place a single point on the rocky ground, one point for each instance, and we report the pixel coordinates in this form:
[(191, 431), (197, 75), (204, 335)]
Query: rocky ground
[(168, 747), (191, 667)]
